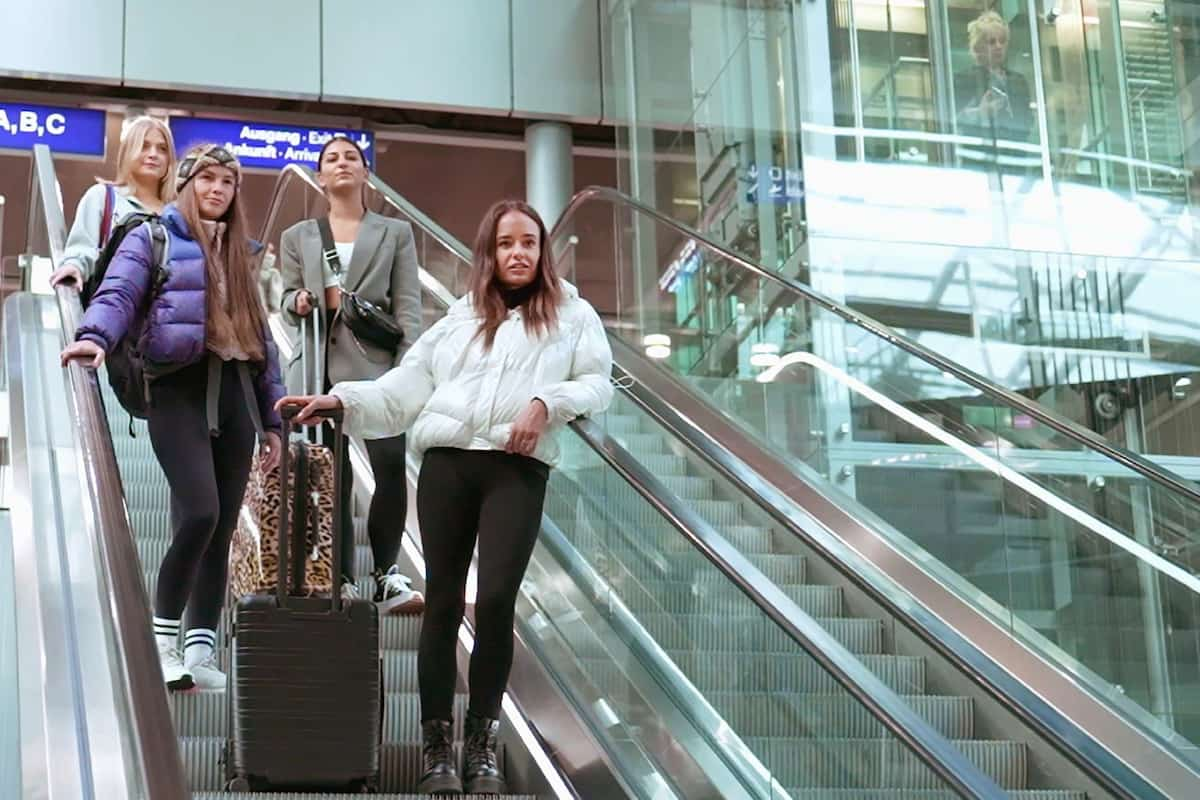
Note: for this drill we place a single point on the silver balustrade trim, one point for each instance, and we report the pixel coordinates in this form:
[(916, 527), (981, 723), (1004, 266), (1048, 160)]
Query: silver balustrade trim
[(1090, 440), (443, 236), (287, 175), (137, 662)]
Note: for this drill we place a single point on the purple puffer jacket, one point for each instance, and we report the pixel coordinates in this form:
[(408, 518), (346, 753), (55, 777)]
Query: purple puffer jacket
[(173, 334)]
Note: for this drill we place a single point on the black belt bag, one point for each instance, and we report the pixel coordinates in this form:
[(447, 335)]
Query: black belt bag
[(365, 320)]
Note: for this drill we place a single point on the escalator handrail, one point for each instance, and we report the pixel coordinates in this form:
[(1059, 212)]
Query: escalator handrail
[(157, 748), (934, 750), (293, 172), (289, 173), (1087, 439), (428, 225)]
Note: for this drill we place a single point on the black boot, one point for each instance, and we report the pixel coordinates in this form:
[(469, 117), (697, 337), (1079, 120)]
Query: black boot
[(437, 759), (482, 770)]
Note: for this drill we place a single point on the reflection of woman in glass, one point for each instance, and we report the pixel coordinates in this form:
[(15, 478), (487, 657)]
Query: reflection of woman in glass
[(992, 100)]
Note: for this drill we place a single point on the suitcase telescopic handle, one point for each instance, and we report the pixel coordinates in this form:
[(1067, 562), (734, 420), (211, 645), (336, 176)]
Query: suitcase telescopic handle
[(310, 343), (288, 526)]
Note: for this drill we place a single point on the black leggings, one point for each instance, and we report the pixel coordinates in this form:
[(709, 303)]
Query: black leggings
[(462, 494), (207, 475), (389, 503)]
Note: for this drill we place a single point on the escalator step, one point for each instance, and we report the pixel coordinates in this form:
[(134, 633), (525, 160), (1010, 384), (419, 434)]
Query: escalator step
[(206, 715), (152, 549), (837, 716), (754, 634), (717, 673), (689, 488), (364, 584), (310, 796), (615, 424), (400, 765), (700, 597), (693, 567), (879, 763), (923, 794), (640, 443)]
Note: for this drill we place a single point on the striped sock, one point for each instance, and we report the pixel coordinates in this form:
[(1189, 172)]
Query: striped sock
[(166, 632), (199, 646)]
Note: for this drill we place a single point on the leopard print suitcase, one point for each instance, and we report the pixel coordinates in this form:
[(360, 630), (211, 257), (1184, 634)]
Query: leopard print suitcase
[(254, 553)]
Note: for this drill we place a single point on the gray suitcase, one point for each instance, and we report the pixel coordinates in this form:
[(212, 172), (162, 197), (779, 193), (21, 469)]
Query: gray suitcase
[(306, 686)]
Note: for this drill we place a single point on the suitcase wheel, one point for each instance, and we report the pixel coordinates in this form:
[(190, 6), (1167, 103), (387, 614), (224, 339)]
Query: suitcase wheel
[(238, 785)]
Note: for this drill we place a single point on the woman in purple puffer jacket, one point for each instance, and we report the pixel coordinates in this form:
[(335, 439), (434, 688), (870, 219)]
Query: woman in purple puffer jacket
[(213, 382)]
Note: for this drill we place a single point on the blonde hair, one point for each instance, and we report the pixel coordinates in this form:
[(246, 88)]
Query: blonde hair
[(131, 148), (981, 26)]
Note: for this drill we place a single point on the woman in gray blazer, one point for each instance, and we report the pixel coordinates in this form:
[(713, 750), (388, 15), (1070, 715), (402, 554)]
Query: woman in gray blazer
[(377, 261)]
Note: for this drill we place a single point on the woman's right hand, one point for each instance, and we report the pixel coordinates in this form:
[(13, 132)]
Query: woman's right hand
[(66, 273), (304, 303), (310, 405), (83, 349)]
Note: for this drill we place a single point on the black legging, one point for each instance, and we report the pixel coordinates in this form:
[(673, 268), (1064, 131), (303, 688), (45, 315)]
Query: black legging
[(389, 503), (207, 475), (461, 494)]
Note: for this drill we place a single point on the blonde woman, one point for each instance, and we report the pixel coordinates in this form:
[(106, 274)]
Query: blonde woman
[(993, 101), (145, 166)]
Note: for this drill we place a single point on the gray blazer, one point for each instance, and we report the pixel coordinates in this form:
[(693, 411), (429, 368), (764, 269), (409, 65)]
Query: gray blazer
[(382, 270)]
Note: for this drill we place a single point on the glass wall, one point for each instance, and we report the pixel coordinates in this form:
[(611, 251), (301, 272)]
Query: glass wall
[(1009, 183), (1017, 124)]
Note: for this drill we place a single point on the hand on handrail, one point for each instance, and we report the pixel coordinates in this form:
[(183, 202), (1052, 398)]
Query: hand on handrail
[(83, 349), (68, 274)]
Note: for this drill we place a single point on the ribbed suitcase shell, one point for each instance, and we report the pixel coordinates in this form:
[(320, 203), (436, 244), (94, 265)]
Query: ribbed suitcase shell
[(307, 696), (306, 687)]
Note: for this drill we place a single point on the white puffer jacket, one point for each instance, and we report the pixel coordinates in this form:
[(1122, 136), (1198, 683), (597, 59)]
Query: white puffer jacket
[(453, 393)]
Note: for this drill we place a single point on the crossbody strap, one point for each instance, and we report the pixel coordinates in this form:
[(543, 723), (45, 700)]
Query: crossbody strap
[(328, 248)]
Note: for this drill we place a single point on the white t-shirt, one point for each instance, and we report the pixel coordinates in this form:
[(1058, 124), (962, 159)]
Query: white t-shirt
[(345, 251)]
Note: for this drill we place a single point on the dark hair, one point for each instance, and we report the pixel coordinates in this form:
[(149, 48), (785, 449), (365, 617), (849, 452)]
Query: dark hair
[(543, 295), (340, 137)]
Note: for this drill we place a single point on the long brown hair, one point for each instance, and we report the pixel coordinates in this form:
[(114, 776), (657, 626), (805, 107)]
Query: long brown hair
[(245, 305), (542, 297)]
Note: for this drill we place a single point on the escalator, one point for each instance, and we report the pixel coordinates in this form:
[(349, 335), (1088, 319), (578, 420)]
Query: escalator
[(1072, 553), (717, 609), (676, 422)]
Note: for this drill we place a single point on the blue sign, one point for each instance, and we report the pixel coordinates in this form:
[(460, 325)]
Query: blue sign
[(263, 145), (774, 185), (77, 131)]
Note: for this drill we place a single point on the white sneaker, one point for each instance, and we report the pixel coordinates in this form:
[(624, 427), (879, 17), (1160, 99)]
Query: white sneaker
[(207, 676), (394, 593), (175, 675)]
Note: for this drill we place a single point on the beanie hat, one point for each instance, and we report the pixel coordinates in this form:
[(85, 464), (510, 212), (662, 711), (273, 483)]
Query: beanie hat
[(207, 155)]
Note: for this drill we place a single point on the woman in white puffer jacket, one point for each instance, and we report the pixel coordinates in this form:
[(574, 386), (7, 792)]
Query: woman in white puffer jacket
[(484, 392)]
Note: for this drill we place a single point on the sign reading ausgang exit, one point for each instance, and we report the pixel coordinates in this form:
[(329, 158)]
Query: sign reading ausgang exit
[(260, 145), (78, 131)]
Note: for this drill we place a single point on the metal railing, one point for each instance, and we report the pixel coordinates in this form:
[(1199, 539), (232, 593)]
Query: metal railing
[(155, 747), (1087, 439)]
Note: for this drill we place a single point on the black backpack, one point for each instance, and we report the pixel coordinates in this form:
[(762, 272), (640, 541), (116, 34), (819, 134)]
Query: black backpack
[(126, 375)]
